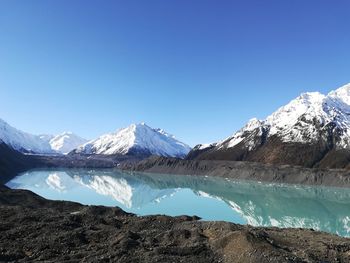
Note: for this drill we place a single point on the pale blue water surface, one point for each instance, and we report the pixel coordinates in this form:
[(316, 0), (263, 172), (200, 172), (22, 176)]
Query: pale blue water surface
[(211, 198)]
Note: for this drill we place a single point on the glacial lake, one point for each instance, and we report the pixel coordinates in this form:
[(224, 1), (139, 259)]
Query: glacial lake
[(211, 198)]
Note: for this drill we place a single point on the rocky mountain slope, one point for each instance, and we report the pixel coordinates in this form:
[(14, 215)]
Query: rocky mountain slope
[(11, 162), (312, 130), (137, 139), (251, 171)]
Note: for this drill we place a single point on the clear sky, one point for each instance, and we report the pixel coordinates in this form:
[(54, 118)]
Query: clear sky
[(196, 68)]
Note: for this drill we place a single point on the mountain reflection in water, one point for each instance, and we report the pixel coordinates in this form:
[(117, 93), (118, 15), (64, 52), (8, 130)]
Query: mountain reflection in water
[(321, 208)]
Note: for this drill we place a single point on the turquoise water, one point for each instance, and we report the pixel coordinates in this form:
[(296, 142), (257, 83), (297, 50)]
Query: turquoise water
[(321, 208)]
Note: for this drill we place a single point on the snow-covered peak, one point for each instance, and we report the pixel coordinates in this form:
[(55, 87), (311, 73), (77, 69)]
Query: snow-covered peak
[(253, 124), (136, 138), (289, 114), (301, 120), (309, 106), (23, 141), (39, 144), (66, 142), (342, 93)]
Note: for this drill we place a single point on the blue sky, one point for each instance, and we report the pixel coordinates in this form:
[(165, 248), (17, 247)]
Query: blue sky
[(196, 68)]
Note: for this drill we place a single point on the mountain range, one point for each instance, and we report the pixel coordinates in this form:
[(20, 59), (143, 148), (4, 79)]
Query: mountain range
[(137, 139), (38, 144), (312, 130), (64, 142), (22, 141)]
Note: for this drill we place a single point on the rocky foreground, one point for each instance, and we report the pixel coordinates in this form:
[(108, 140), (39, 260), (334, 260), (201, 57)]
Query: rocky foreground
[(35, 229)]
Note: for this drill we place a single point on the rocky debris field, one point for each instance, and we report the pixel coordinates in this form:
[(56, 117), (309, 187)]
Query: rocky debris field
[(35, 229), (243, 171)]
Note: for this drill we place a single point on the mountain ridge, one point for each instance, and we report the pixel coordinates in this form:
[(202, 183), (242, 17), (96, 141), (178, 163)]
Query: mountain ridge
[(23, 141), (136, 139), (66, 142), (38, 144), (312, 130)]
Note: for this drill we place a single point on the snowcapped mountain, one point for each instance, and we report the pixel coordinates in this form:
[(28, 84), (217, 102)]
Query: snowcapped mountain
[(137, 139), (311, 130), (22, 141), (65, 142), (42, 144)]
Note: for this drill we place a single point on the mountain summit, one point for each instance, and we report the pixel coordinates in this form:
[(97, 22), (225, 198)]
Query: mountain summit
[(38, 144), (312, 130), (65, 142), (22, 141), (137, 139)]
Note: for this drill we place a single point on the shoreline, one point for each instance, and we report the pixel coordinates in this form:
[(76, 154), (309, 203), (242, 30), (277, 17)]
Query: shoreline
[(248, 171), (67, 231), (14, 163)]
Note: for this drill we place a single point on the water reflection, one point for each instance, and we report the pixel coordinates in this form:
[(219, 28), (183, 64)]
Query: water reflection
[(321, 208)]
